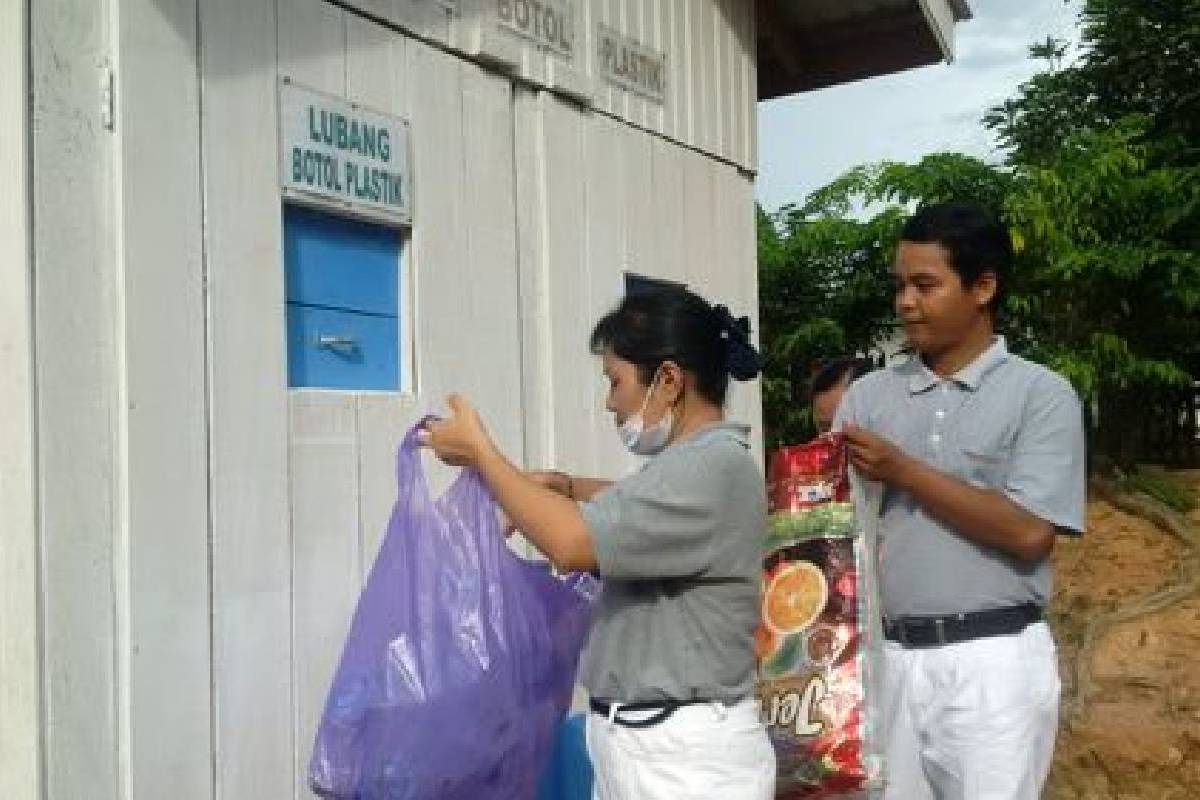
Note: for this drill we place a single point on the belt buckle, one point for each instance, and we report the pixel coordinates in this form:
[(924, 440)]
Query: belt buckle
[(939, 627)]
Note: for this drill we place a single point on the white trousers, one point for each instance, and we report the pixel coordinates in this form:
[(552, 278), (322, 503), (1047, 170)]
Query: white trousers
[(701, 752), (970, 721)]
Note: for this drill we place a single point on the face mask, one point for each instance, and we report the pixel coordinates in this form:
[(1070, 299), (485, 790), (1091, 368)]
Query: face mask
[(645, 441)]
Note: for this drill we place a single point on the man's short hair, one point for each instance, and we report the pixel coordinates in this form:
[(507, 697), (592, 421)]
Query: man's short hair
[(975, 242), (838, 371)]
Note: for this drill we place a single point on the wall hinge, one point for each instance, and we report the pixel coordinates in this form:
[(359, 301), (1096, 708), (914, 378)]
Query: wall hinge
[(108, 102)]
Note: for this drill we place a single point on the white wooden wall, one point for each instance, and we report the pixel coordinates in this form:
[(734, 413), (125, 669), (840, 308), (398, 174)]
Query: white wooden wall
[(709, 47), (78, 462), (204, 531), (20, 679)]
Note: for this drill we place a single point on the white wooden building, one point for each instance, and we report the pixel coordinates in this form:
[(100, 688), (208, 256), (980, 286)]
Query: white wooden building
[(184, 520)]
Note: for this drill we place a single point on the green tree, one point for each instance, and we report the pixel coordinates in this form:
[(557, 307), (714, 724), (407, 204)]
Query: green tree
[(1139, 57), (1101, 192), (1108, 278)]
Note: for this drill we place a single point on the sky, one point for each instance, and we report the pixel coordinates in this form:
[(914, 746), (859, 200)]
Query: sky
[(809, 139)]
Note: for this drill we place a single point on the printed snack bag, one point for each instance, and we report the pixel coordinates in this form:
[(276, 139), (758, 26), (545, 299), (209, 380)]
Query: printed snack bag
[(810, 642)]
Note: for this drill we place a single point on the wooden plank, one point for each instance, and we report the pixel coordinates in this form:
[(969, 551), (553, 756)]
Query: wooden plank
[(76, 401), (312, 44), (428, 18), (652, 33), (162, 573), (669, 210), (572, 77), (742, 110), (374, 63), (606, 226), (565, 140), (536, 329), (477, 32), (439, 252), (674, 43), (323, 466), (704, 39), (606, 95), (251, 553), (618, 19), (639, 107), (382, 423), (640, 197), (696, 54), (699, 220), (750, 77), (723, 51), (20, 635), (491, 291), (379, 9)]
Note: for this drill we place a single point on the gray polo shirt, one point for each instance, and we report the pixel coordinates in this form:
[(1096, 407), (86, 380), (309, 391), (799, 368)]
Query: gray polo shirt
[(679, 545), (1002, 423)]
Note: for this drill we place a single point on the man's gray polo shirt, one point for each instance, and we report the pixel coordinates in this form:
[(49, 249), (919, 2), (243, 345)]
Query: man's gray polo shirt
[(679, 545), (1002, 423)]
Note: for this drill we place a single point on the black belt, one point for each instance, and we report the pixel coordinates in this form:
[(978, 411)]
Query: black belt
[(664, 708), (954, 628)]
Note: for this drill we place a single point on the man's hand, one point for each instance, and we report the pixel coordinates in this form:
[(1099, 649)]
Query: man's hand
[(459, 440), (875, 457), (986, 516)]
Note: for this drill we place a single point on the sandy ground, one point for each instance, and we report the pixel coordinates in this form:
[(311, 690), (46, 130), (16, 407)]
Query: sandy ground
[(1139, 733)]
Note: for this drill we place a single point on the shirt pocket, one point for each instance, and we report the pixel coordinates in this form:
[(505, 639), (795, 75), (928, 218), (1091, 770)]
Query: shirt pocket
[(985, 465)]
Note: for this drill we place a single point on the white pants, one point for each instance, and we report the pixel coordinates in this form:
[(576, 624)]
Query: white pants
[(970, 721), (701, 752)]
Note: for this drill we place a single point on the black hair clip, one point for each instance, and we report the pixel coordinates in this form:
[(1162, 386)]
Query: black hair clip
[(735, 327), (742, 360)]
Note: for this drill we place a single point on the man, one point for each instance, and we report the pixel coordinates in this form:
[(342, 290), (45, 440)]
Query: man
[(979, 457), (829, 384)]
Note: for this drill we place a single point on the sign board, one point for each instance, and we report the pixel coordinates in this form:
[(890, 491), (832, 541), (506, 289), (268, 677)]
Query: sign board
[(631, 65), (340, 155), (547, 23)]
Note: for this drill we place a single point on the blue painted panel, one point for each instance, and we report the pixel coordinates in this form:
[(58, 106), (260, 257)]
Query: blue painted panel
[(340, 263), (569, 775), (341, 349)]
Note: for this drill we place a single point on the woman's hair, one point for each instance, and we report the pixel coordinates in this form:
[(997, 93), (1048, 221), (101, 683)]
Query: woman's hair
[(674, 324)]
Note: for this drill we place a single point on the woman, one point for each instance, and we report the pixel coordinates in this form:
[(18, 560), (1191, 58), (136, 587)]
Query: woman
[(669, 664)]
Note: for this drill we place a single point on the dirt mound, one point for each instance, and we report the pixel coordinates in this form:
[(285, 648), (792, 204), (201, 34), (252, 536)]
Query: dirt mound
[(1138, 731)]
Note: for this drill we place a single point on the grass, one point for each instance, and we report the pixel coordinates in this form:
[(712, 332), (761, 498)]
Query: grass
[(1163, 486)]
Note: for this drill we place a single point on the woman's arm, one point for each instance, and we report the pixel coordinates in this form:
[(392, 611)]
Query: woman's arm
[(551, 521)]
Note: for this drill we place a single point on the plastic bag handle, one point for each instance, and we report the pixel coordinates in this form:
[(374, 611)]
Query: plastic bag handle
[(410, 472), (409, 469)]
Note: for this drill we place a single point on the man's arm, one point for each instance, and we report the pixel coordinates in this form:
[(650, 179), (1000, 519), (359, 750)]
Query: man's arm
[(575, 487), (983, 515)]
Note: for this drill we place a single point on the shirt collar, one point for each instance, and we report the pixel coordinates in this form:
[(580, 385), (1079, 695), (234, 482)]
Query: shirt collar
[(737, 431), (921, 378)]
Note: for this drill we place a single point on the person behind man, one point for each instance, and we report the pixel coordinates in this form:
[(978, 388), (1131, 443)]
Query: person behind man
[(828, 385), (979, 456)]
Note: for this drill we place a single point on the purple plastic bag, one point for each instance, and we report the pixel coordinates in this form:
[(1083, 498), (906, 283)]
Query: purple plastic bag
[(460, 659)]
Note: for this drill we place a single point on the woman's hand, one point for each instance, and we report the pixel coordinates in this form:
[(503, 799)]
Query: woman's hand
[(459, 440)]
